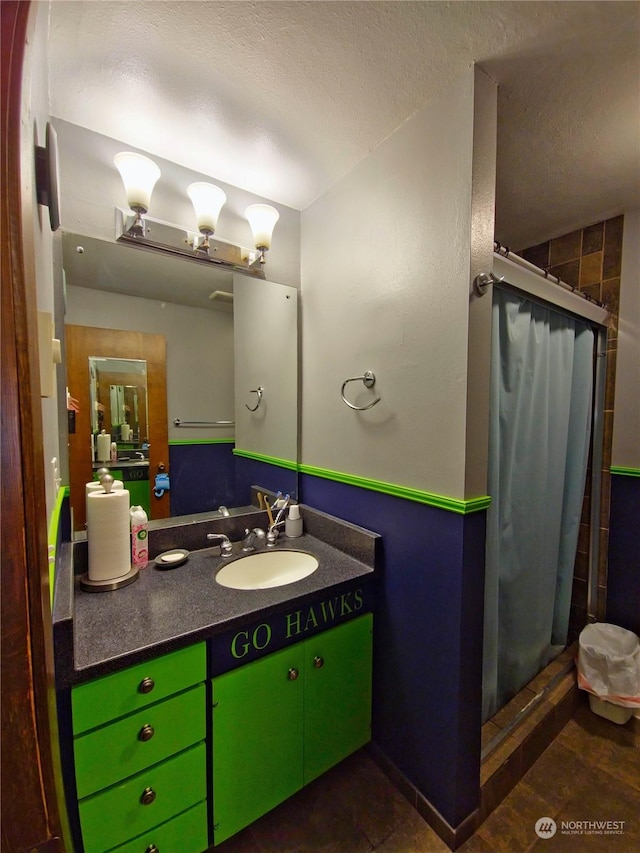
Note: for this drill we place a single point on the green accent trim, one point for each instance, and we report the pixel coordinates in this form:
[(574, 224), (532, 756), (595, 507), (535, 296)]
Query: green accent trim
[(272, 460), (202, 441), (52, 536), (627, 472), (463, 507)]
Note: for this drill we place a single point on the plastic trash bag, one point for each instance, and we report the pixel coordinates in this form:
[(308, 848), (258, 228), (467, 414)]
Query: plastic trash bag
[(609, 664)]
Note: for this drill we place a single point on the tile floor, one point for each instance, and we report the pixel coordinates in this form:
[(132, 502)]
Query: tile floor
[(591, 772)]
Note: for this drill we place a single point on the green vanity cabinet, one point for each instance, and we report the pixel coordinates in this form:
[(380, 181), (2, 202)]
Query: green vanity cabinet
[(257, 739), (140, 755), (337, 694), (186, 832), (281, 721)]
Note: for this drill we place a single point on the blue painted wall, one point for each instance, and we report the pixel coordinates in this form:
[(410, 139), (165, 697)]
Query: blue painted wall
[(205, 476), (202, 477), (251, 472), (427, 639), (623, 576)]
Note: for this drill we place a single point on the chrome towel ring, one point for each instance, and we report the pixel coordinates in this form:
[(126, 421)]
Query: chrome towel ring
[(369, 380), (259, 391)]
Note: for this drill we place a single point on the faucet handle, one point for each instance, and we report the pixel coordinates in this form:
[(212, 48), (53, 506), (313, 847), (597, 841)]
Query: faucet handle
[(225, 545), (272, 536)]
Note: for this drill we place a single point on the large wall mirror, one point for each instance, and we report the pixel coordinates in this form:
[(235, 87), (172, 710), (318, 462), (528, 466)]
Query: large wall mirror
[(124, 295)]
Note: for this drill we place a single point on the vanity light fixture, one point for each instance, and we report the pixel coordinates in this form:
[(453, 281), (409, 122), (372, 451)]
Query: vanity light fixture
[(207, 201), (139, 175), (262, 219)]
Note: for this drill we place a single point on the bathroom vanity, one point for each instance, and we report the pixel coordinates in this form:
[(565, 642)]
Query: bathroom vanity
[(187, 709)]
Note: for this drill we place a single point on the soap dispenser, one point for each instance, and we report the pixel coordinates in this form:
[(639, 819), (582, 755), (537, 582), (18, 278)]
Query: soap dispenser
[(293, 523)]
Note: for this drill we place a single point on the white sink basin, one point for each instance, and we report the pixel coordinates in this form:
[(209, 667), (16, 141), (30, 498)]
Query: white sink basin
[(267, 569)]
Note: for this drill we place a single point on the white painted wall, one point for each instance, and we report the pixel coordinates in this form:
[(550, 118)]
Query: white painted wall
[(626, 422), (386, 256), (35, 114), (199, 352), (91, 189), (483, 195)]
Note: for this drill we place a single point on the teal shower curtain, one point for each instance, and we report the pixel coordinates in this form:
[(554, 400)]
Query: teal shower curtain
[(540, 420)]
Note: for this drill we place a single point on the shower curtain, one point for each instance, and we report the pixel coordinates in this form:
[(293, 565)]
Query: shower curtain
[(540, 420)]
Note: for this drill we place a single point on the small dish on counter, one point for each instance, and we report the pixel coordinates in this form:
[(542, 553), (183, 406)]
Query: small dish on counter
[(171, 559)]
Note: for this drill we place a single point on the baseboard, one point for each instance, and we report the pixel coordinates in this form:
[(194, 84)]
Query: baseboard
[(452, 836)]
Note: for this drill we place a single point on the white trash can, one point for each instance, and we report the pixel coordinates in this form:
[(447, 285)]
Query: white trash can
[(609, 670)]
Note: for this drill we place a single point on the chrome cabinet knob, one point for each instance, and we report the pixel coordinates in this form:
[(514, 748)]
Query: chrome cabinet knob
[(146, 685), (293, 674), (148, 796), (318, 662), (152, 849), (146, 733)]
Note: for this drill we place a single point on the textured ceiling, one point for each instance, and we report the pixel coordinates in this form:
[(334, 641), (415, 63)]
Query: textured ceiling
[(283, 98)]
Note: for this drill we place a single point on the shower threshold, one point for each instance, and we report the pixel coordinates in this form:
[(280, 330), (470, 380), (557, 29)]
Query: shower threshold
[(517, 735)]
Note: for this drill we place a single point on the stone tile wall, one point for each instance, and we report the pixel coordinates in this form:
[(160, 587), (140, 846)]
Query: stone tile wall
[(590, 260)]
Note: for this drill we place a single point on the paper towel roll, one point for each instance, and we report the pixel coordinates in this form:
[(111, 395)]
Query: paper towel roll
[(108, 535), (104, 447)]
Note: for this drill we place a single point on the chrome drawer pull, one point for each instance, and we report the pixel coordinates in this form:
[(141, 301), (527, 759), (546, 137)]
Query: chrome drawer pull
[(146, 685), (148, 796), (146, 732), (152, 849)]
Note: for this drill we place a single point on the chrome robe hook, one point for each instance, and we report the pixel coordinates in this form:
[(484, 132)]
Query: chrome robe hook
[(369, 380), (259, 391)]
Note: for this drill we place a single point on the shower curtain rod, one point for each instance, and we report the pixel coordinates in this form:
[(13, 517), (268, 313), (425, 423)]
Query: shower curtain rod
[(505, 252)]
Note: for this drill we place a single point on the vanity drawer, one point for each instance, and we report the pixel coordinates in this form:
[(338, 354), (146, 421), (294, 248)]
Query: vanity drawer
[(187, 833), (144, 801), (112, 696), (105, 756)]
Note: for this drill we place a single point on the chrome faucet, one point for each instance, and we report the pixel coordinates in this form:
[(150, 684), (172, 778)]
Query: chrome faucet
[(225, 543), (251, 537)]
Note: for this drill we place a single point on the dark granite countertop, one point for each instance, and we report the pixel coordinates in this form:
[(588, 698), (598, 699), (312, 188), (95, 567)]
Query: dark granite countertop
[(166, 609)]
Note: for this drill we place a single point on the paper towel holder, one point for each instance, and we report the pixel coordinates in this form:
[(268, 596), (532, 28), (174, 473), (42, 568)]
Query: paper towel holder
[(108, 584)]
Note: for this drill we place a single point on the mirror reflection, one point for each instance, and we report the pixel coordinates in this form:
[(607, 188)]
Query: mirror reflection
[(118, 399), (113, 289)]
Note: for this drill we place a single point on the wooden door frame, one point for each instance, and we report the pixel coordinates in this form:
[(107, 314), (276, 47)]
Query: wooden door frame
[(31, 817), (82, 342)]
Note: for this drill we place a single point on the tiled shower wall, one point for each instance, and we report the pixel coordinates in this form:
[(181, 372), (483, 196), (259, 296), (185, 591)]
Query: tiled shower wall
[(591, 259)]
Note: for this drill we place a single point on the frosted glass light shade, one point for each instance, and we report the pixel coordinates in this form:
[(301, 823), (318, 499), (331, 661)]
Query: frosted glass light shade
[(139, 176), (207, 202), (262, 219)]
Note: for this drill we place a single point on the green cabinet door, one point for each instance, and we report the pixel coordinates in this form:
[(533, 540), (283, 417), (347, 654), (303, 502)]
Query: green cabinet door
[(337, 694), (139, 494), (257, 739)]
